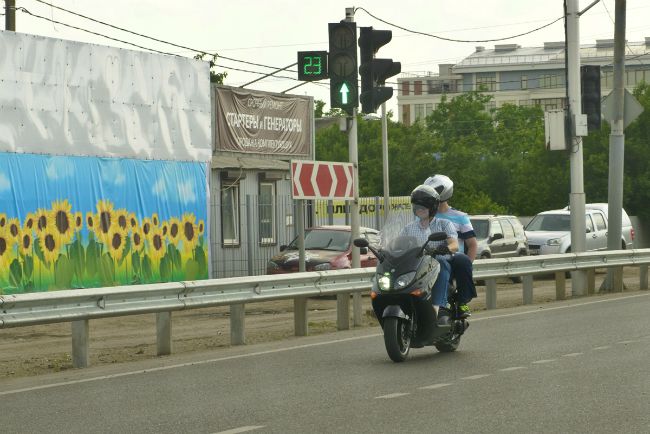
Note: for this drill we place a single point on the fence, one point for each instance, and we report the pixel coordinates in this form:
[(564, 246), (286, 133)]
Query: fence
[(244, 241)]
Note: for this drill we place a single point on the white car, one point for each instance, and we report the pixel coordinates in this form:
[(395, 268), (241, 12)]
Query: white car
[(550, 231)]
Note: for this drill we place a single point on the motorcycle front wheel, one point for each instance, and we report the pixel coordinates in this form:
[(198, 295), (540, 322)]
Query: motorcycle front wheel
[(397, 338)]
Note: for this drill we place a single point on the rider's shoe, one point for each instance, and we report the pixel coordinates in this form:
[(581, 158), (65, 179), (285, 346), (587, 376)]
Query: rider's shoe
[(464, 311), (444, 317)]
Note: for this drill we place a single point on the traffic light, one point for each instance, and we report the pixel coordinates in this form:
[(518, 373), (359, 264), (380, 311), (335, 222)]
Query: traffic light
[(590, 95), (342, 68), (374, 72)]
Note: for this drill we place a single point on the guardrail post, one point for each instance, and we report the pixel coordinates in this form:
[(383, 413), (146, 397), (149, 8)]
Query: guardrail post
[(163, 333), (300, 323), (560, 285), (643, 276), (617, 279), (237, 336), (343, 311), (357, 309), (80, 343), (528, 289), (591, 281), (490, 293)]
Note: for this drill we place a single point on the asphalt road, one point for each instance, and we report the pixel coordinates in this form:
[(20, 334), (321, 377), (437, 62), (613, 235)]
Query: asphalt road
[(579, 366)]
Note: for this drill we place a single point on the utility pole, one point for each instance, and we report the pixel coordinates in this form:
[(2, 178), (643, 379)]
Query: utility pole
[(577, 196), (614, 279), (10, 15), (384, 154)]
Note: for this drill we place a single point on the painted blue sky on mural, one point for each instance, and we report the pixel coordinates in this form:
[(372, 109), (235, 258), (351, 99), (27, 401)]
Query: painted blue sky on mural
[(169, 188)]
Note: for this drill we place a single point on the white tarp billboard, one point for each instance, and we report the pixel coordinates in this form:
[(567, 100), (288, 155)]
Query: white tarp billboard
[(71, 98)]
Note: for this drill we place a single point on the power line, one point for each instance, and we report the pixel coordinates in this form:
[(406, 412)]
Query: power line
[(151, 37), (459, 40)]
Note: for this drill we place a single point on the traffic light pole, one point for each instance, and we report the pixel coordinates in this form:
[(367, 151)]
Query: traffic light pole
[(614, 281), (577, 196), (10, 15), (384, 154)]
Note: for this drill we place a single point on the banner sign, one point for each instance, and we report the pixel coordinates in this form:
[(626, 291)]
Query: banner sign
[(81, 222), (72, 98), (262, 123)]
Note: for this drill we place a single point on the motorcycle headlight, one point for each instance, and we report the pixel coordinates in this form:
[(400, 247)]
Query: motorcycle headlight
[(554, 242), (322, 267), (384, 282), (404, 280)]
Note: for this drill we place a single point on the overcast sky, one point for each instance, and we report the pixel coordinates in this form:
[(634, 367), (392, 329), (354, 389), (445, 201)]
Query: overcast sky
[(271, 32)]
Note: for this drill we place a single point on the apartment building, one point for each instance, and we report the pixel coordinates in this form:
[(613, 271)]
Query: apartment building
[(516, 75)]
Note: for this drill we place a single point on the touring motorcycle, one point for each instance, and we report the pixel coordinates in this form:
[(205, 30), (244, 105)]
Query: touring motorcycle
[(402, 300)]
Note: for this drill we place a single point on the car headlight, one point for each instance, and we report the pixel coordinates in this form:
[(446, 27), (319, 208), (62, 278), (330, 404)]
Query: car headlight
[(554, 242), (384, 282), (272, 265), (322, 267), (404, 280)]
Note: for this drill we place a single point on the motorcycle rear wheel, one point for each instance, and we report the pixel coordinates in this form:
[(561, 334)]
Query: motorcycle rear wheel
[(397, 338)]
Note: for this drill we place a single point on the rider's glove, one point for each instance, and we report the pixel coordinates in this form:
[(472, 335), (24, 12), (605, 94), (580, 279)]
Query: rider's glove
[(442, 250)]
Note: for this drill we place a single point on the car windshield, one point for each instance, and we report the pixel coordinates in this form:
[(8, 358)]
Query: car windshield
[(324, 239), (481, 228), (550, 222)]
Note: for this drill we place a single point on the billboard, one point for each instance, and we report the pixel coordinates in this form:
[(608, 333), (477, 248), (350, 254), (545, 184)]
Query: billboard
[(262, 123), (79, 222), (71, 98)]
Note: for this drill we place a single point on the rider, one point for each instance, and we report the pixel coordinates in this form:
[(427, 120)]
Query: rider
[(425, 201), (461, 264)]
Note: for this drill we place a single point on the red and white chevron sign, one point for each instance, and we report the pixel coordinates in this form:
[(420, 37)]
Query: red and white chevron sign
[(322, 180)]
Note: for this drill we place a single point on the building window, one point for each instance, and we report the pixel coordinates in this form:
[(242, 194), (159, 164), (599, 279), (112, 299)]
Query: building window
[(405, 88), (406, 114), (486, 83), (524, 82), (419, 112), (230, 215), (418, 88), (551, 81), (428, 109), (267, 212)]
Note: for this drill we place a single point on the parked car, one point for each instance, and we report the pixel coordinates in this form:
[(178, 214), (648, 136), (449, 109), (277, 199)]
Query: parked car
[(326, 248), (550, 231), (499, 236)]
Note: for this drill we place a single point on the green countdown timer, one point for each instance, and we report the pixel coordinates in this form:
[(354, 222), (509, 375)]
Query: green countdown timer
[(312, 65)]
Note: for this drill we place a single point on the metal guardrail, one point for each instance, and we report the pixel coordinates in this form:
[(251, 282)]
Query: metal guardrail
[(79, 306)]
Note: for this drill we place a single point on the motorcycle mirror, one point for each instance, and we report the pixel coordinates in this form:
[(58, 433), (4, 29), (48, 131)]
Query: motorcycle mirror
[(438, 236), (361, 242)]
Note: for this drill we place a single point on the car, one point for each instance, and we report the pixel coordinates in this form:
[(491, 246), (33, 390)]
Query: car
[(326, 248), (499, 236), (549, 232)]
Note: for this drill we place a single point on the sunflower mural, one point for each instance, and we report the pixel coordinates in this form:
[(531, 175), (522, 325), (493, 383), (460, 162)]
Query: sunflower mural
[(71, 242)]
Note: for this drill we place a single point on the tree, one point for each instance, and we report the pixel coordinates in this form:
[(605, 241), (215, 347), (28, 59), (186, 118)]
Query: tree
[(215, 77)]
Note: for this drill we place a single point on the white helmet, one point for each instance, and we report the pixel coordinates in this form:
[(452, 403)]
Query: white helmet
[(443, 185)]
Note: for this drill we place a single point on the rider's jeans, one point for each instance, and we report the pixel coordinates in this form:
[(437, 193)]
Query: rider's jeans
[(461, 271), (439, 295)]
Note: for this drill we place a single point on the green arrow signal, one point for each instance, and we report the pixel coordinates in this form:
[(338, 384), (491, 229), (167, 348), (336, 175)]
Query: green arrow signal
[(344, 93)]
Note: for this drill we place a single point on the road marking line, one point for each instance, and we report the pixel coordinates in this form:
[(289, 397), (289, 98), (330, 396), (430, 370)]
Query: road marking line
[(604, 347), (476, 377), (392, 395), (435, 386), (240, 429), (296, 347), (626, 342), (539, 362), (512, 368), (572, 355)]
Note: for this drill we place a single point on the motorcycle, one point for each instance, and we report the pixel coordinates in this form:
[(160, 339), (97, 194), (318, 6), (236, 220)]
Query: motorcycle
[(401, 298)]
